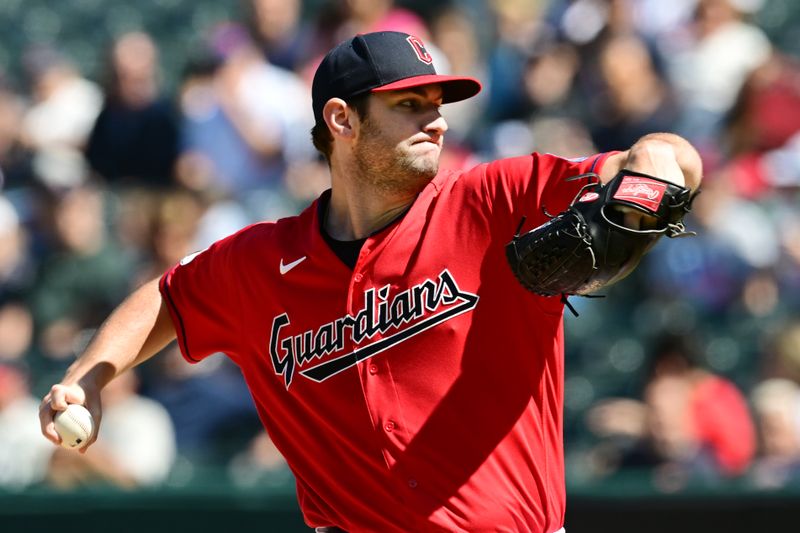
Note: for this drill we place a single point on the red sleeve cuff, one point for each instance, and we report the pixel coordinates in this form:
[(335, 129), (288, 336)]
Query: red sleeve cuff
[(595, 163)]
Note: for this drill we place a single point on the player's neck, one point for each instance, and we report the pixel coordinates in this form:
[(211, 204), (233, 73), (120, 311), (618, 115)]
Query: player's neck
[(357, 210)]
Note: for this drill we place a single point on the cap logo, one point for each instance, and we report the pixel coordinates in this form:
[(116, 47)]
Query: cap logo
[(419, 49)]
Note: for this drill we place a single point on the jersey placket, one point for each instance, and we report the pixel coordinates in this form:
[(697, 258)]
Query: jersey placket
[(377, 385)]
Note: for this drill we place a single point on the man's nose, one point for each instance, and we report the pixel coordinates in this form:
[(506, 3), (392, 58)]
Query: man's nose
[(438, 125)]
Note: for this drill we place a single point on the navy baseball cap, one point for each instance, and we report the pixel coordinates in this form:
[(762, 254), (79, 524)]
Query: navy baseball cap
[(382, 61)]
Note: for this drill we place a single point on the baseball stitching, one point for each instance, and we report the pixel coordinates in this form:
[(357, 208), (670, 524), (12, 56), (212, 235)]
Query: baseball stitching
[(80, 423)]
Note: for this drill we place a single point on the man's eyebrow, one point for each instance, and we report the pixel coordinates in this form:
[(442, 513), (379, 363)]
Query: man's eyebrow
[(418, 90)]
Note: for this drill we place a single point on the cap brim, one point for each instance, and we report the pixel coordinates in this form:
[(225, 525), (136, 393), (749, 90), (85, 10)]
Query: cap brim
[(454, 88)]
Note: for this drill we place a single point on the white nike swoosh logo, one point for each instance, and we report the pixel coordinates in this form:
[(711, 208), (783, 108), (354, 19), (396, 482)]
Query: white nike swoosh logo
[(288, 267)]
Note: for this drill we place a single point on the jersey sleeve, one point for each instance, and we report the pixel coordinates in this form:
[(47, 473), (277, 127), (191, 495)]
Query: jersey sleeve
[(530, 185), (203, 298)]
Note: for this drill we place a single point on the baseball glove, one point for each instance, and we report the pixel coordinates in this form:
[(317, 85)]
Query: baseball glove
[(587, 246)]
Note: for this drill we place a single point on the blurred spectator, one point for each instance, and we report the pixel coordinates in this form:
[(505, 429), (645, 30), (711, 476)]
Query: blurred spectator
[(760, 175), (788, 271), (563, 136), (710, 64), (244, 121), (777, 407), (763, 130), (174, 231), (24, 455), (135, 138), (132, 222), (735, 239), (656, 18), (365, 16), (277, 28), (23, 458), (14, 158), (84, 276), (743, 225), (692, 425), (452, 32), (542, 110), (135, 447), (783, 360), (549, 79), (636, 100), (767, 111), (17, 271), (306, 180), (16, 331), (65, 105), (209, 404), (517, 24)]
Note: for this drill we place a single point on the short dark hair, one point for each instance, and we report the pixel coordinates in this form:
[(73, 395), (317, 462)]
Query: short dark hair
[(321, 135), (674, 352)]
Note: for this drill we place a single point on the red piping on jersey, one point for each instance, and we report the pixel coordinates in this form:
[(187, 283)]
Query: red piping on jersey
[(174, 310)]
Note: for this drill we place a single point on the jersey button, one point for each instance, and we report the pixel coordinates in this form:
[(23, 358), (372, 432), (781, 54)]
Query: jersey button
[(373, 369), (412, 483), (389, 426), (358, 277)]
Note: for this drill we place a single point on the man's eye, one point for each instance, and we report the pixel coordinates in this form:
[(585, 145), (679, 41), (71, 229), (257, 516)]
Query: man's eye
[(411, 104)]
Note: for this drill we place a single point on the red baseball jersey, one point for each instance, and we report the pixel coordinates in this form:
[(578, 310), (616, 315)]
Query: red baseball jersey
[(421, 390)]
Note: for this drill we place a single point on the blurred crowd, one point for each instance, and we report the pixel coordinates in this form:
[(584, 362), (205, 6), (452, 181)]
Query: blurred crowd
[(688, 373)]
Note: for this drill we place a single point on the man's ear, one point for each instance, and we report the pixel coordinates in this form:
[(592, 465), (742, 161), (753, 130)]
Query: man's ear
[(339, 118)]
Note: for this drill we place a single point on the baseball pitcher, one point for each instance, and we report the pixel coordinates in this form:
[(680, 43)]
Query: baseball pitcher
[(403, 336)]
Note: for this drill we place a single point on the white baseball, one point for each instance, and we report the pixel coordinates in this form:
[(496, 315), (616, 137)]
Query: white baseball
[(75, 426)]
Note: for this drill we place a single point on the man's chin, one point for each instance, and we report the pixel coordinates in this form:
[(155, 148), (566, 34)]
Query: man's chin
[(426, 166), (411, 181), (423, 174)]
